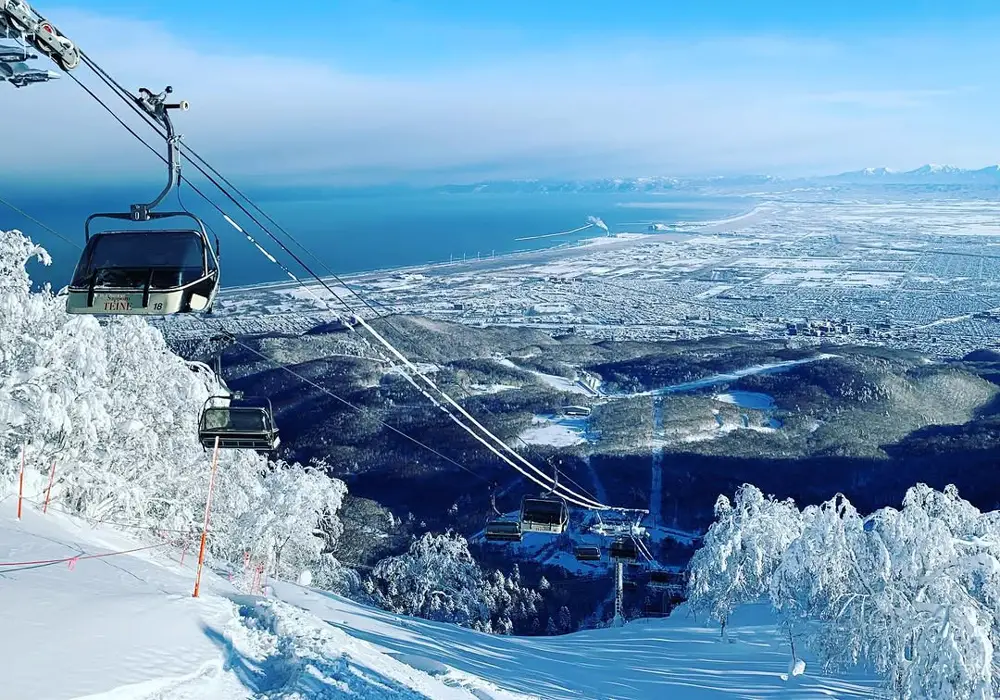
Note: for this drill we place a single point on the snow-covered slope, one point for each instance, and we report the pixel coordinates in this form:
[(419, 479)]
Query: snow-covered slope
[(125, 627)]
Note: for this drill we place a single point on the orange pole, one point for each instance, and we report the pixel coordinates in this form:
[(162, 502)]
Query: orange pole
[(208, 507), (48, 491), (20, 487)]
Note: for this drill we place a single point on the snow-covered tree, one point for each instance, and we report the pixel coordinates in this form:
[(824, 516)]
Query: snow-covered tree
[(741, 550), (438, 579), (818, 567), (915, 593), (565, 620), (291, 512), (118, 413)]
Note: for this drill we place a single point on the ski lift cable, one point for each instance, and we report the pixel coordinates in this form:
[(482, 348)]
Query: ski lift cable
[(361, 297), (29, 217), (568, 493), (123, 94), (396, 430), (351, 405), (645, 551), (640, 548), (233, 223)]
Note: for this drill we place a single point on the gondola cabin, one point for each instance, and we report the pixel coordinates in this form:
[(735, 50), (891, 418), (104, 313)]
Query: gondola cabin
[(548, 515), (624, 550), (587, 553), (503, 531), (147, 272), (238, 425)]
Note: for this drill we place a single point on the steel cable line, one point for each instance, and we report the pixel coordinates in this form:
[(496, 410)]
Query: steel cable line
[(323, 389), (138, 137), (567, 494), (347, 403), (361, 297), (29, 217), (125, 96)]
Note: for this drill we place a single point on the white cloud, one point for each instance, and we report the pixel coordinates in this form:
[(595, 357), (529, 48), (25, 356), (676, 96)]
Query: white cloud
[(650, 107)]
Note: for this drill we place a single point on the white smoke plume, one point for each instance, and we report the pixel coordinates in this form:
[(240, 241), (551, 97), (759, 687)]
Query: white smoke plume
[(599, 223)]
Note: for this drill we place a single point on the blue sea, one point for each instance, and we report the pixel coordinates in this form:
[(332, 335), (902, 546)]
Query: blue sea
[(362, 231)]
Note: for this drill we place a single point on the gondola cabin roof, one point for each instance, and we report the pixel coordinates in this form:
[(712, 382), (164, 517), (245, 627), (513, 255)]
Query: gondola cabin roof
[(544, 510), (503, 531), (154, 272), (544, 507), (141, 250)]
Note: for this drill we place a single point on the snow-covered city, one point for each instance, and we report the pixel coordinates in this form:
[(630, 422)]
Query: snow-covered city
[(917, 272)]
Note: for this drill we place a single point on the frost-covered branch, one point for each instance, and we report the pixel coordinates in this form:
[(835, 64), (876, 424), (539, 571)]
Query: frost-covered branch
[(915, 593), (119, 411)]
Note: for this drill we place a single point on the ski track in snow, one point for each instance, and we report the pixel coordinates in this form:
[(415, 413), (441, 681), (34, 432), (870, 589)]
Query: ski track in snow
[(599, 492), (127, 628), (770, 368), (656, 485)]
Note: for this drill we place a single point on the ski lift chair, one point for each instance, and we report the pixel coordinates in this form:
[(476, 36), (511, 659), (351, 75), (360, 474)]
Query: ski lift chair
[(541, 514), (150, 271), (239, 425), (661, 579), (145, 272), (500, 530), (623, 549), (587, 553)]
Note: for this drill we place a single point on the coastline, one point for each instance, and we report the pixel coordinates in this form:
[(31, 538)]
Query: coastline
[(525, 256)]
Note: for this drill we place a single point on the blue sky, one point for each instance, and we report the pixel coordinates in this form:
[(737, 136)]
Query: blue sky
[(438, 91)]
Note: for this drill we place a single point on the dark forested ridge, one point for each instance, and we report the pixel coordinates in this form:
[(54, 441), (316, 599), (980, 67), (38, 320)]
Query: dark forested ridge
[(867, 422)]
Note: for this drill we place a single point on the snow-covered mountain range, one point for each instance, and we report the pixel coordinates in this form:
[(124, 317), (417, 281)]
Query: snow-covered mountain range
[(604, 185), (929, 174)]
